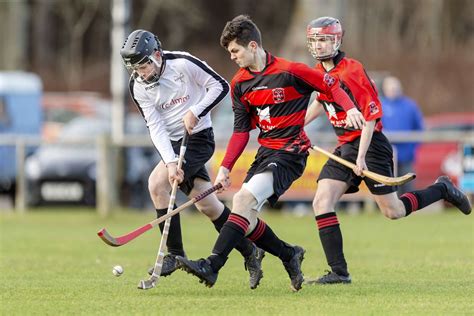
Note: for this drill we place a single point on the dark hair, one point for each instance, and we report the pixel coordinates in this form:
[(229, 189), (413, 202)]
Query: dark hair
[(243, 30)]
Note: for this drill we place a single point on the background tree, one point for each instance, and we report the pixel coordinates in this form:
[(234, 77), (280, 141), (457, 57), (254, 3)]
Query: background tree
[(426, 43)]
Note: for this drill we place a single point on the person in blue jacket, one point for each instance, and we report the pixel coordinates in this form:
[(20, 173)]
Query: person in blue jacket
[(401, 113)]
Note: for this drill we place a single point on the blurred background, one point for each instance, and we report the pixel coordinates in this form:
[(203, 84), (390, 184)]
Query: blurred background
[(69, 133)]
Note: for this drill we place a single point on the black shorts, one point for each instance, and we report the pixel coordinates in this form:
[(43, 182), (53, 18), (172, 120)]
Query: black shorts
[(199, 150), (379, 159), (286, 167)]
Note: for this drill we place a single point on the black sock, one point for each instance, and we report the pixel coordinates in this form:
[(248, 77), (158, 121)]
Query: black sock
[(175, 240), (232, 232), (264, 237), (416, 200), (245, 246), (331, 239)]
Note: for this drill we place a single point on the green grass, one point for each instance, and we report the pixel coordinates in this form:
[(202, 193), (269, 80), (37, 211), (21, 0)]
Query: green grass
[(53, 263)]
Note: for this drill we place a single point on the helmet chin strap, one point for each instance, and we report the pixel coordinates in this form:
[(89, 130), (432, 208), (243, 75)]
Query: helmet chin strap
[(161, 66)]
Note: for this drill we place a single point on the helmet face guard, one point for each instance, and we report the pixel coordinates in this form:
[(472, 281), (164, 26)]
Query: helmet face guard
[(147, 70), (142, 56), (322, 30)]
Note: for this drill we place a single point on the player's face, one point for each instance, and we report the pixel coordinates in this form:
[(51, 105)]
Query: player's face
[(321, 45), (241, 55), (146, 70)]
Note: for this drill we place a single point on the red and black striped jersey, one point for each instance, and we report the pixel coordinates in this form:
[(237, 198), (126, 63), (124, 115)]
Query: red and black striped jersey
[(360, 88), (275, 100)]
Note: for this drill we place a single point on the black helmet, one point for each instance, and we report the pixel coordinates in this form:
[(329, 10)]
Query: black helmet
[(139, 48)]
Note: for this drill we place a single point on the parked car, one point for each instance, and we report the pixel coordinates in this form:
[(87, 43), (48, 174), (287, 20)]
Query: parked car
[(66, 174), (20, 115), (62, 173), (435, 159)]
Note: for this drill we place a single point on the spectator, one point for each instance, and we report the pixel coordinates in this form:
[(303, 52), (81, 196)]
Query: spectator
[(401, 114)]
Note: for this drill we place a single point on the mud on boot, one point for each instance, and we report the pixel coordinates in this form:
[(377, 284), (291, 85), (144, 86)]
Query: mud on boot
[(293, 267), (253, 264), (170, 265)]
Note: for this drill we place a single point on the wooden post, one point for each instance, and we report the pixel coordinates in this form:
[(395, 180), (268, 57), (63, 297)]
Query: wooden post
[(20, 195), (103, 176)]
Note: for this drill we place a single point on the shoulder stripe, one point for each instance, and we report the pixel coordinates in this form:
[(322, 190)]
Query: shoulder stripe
[(204, 67)]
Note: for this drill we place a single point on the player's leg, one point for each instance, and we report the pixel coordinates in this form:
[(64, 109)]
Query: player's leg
[(199, 150), (327, 195), (159, 188), (218, 213), (379, 160), (242, 220), (264, 237), (231, 233), (334, 181), (394, 207), (210, 205)]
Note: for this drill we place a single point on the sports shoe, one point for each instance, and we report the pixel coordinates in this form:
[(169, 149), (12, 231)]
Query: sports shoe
[(169, 265), (200, 268), (253, 264), (293, 267), (455, 196), (330, 278)]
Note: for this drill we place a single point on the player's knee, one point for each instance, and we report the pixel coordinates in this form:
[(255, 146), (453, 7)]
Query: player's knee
[(392, 216), (211, 207), (392, 212), (322, 205), (157, 186), (243, 199)]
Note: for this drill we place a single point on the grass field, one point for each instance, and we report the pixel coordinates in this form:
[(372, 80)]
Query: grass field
[(52, 263)]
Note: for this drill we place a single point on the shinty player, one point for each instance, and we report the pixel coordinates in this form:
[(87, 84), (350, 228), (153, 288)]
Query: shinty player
[(368, 148), (272, 94), (174, 90)]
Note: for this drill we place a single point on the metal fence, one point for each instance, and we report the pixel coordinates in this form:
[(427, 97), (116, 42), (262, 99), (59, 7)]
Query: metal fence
[(106, 189)]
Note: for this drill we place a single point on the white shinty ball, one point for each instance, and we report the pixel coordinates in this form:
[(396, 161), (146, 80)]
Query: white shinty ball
[(117, 270)]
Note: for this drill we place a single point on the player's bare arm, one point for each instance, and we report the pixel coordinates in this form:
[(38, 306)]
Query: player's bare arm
[(190, 121), (365, 139), (223, 177), (314, 110)]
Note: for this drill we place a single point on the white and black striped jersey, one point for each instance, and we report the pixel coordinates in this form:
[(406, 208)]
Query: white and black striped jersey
[(186, 83)]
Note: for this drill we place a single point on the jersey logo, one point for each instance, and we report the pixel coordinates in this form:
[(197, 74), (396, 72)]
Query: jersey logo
[(278, 95), (264, 115), (179, 78), (177, 101), (373, 108), (329, 80), (152, 86), (331, 110)]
